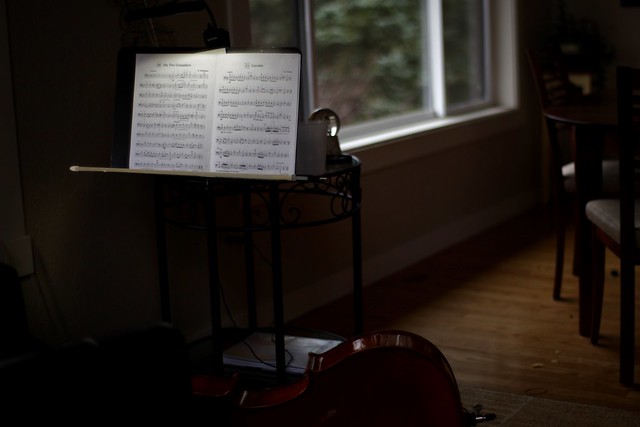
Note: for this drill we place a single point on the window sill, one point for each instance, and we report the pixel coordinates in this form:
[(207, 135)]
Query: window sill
[(409, 142)]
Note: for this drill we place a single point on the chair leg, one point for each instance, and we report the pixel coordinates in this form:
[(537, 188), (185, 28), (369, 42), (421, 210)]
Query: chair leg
[(560, 238), (577, 256), (597, 279), (560, 202), (627, 322)]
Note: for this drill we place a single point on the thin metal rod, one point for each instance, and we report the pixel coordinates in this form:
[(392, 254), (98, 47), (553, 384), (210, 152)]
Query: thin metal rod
[(214, 280), (161, 247), (276, 269)]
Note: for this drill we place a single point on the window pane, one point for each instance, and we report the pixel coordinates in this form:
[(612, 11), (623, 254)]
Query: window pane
[(273, 23), (368, 57), (464, 51)]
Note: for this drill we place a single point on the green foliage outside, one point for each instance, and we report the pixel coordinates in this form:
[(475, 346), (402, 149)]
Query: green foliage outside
[(368, 57), (369, 53)]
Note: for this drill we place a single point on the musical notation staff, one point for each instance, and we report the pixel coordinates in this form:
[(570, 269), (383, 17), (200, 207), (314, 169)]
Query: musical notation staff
[(171, 115), (173, 105), (257, 77), (244, 166), (169, 155), (173, 95), (164, 164), (174, 85), (253, 128), (234, 140), (256, 154), (256, 116), (201, 75), (166, 145), (237, 90), (258, 102), (164, 125), (174, 135)]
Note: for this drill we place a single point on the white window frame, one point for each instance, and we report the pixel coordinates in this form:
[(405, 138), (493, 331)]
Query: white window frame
[(502, 82), (435, 55)]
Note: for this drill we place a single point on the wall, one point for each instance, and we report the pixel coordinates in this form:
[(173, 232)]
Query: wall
[(617, 24), (15, 246), (93, 234)]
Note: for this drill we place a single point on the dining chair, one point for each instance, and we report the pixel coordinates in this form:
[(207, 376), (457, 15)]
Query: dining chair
[(554, 87), (616, 222)]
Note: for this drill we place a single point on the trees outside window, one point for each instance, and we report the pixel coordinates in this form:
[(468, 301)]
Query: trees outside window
[(373, 60)]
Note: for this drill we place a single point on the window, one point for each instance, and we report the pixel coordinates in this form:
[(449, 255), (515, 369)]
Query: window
[(382, 64)]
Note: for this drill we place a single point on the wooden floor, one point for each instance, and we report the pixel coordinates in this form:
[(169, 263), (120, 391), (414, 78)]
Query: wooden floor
[(487, 304)]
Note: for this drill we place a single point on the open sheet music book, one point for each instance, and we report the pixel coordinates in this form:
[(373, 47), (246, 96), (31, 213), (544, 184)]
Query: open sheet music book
[(223, 113), (216, 111)]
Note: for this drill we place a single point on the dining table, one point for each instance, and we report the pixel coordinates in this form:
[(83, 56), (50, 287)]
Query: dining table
[(592, 119)]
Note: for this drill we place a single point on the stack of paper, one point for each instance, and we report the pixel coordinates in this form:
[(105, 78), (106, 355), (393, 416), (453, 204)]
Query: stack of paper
[(259, 351)]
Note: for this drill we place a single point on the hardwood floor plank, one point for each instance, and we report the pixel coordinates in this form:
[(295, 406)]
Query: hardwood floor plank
[(486, 303)]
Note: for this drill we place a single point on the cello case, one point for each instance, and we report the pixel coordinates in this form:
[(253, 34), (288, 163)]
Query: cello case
[(386, 378)]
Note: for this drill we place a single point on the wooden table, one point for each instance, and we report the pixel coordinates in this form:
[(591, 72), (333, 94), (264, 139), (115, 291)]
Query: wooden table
[(590, 121)]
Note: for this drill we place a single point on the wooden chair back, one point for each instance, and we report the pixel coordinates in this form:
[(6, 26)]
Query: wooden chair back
[(551, 77), (554, 88), (615, 224), (628, 94)]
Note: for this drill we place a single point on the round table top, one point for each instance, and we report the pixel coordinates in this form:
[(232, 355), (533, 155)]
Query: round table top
[(598, 110)]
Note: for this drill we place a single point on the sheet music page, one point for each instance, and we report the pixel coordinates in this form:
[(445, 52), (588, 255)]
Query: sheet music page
[(172, 111), (256, 113)]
